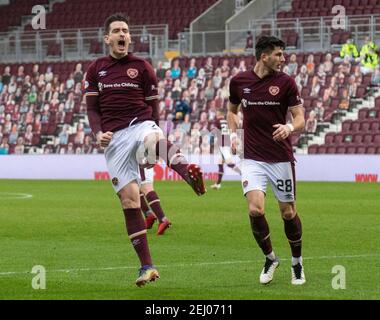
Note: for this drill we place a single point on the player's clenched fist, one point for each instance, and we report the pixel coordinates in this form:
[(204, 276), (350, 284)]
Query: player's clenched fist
[(103, 139)]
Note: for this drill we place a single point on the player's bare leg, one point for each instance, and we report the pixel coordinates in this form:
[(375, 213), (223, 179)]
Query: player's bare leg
[(130, 201), (217, 184), (157, 146), (293, 231), (260, 230), (150, 217), (155, 203)]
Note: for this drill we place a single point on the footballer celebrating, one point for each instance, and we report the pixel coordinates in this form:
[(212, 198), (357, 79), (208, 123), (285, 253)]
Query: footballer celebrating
[(265, 95), (121, 97)]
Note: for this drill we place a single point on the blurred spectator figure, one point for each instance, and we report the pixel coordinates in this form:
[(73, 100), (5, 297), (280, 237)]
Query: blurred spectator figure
[(375, 79), (35, 73), (205, 145), (327, 64), (203, 121), (29, 118), (358, 75), (193, 89), (293, 65), (70, 103), (78, 73), (169, 124), (6, 75), (16, 114), (47, 94), (219, 100), (1, 84), (310, 64), (41, 82), (185, 126), (348, 51), (78, 150), (175, 71), (177, 90), (201, 78), (192, 70), (62, 93), (184, 80), (340, 76), (311, 123), (249, 41), (45, 117), (285, 70), (13, 135), (4, 146), (37, 123), (217, 79), (27, 84), (87, 145), (161, 90), (61, 114), (182, 107), (344, 102), (369, 58), (302, 78), (321, 74), (226, 89), (55, 83), (70, 82), (225, 69), (20, 75), (79, 135), (70, 148), (319, 110), (209, 91), (209, 68), (19, 148), (346, 66), (242, 67), (352, 87), (212, 111), (168, 80), (49, 74), (160, 71), (28, 134), (333, 87), (12, 87), (54, 102), (63, 136), (168, 101)]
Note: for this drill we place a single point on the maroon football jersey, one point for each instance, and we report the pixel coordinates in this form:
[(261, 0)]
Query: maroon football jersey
[(124, 86), (264, 102), (223, 132)]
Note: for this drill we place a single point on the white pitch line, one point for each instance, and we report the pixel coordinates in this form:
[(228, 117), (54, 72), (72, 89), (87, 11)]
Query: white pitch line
[(197, 264), (14, 195)]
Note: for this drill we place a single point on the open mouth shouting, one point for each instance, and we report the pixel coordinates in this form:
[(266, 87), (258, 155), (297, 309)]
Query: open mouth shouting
[(121, 45)]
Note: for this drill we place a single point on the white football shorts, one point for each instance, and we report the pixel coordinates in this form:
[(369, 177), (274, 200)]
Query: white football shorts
[(123, 152), (255, 175), (147, 175)]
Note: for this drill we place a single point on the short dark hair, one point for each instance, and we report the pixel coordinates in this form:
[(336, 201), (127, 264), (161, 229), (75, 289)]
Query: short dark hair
[(267, 44), (119, 16)]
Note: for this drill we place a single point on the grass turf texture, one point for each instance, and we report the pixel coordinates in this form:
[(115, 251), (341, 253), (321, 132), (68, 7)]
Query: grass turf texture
[(76, 230)]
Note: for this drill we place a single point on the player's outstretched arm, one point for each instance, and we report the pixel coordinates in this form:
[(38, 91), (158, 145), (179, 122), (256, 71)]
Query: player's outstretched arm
[(284, 130)]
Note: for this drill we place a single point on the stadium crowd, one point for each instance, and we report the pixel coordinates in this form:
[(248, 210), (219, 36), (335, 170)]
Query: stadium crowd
[(42, 113)]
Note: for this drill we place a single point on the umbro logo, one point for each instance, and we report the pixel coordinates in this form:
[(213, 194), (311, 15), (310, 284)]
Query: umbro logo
[(102, 73), (246, 90), (289, 196)]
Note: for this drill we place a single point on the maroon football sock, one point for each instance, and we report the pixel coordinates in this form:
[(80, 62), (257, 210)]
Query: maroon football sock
[(293, 231), (220, 173), (260, 230), (144, 205), (171, 154), (137, 234), (154, 203)]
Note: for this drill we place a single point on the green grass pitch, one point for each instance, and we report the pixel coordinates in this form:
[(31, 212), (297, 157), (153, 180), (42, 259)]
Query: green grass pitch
[(76, 230)]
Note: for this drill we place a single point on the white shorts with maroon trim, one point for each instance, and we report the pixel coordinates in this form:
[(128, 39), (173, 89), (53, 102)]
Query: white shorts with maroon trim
[(147, 176), (255, 175), (125, 151)]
